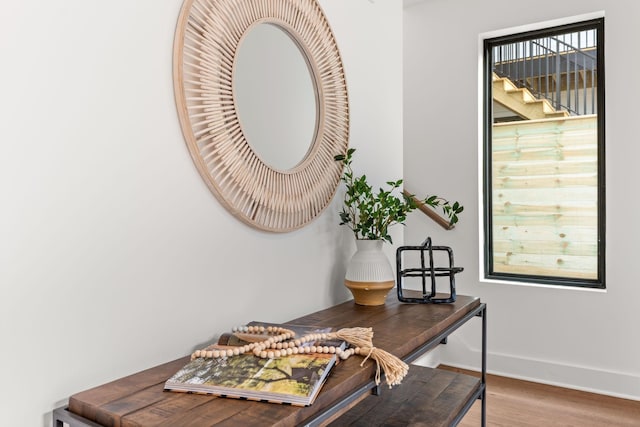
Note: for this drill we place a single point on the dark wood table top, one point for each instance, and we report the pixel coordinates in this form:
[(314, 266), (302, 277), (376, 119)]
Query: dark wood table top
[(139, 399)]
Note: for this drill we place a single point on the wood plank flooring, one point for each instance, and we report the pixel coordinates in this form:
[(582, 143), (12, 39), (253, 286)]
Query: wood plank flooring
[(517, 403)]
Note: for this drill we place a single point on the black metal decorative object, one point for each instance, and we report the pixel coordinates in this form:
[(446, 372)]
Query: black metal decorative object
[(428, 293)]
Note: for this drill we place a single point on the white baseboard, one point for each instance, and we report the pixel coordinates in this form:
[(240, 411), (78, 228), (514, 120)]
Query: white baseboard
[(430, 359), (584, 378)]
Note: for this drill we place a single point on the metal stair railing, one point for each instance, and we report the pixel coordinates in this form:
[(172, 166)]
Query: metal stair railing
[(540, 65)]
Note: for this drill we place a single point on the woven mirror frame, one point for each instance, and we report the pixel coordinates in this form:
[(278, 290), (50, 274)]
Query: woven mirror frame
[(207, 38)]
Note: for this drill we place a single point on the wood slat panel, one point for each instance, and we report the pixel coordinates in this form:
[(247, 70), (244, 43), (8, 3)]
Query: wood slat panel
[(545, 197), (543, 270), (538, 247), (535, 168), (554, 196), (546, 181), (551, 233)]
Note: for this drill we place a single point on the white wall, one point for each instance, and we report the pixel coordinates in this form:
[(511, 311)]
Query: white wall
[(581, 339), (114, 256)]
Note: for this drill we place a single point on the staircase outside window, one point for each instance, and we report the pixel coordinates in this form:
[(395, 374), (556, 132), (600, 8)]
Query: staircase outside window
[(560, 69)]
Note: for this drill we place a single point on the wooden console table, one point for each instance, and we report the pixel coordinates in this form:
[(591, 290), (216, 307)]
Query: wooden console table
[(406, 330)]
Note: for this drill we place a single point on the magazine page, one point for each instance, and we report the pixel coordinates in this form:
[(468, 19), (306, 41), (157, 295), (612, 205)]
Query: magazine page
[(294, 379)]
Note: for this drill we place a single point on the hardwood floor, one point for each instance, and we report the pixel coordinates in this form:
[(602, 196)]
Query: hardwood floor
[(516, 403)]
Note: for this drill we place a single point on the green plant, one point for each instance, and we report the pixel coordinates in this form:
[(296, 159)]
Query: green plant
[(371, 214)]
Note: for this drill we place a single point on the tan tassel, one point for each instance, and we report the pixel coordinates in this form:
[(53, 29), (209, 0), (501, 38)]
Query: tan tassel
[(357, 337), (393, 368)]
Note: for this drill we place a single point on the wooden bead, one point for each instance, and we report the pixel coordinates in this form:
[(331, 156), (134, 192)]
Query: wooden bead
[(281, 342)]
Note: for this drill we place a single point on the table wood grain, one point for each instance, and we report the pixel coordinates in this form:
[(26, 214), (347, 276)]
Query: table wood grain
[(139, 399)]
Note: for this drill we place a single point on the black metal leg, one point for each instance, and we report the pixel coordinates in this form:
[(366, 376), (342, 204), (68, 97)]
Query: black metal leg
[(483, 413), (376, 390), (62, 416), (57, 422)]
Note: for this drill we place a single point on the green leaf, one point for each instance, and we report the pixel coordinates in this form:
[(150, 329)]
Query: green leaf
[(369, 215)]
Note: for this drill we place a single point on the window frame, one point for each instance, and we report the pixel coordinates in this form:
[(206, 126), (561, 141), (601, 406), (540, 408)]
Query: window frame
[(487, 139)]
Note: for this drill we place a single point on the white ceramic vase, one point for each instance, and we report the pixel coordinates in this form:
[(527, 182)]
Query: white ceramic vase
[(369, 273)]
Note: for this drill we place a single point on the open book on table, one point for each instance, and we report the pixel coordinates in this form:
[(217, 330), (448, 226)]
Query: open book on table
[(295, 379)]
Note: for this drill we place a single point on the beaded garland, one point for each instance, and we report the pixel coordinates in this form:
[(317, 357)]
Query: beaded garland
[(277, 345), (282, 342)]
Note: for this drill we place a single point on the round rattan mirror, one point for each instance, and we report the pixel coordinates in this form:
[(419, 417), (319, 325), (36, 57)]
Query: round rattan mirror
[(208, 37)]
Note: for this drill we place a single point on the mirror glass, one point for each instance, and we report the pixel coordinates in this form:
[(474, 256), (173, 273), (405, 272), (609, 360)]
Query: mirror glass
[(275, 96)]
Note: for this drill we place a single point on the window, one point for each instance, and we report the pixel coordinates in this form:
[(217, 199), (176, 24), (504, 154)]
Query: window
[(544, 205)]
